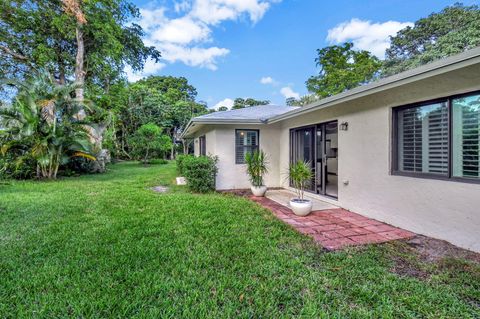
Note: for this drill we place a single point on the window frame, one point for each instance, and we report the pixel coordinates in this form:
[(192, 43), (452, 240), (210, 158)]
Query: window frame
[(202, 146), (394, 163), (235, 143)]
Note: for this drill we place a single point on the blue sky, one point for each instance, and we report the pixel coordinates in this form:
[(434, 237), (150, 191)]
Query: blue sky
[(264, 49)]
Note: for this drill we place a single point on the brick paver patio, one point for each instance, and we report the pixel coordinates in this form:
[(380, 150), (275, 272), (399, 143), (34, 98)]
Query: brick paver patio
[(336, 228)]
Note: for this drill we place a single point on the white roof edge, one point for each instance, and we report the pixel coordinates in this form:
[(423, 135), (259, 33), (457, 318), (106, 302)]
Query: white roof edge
[(386, 83), (220, 122), (225, 121)]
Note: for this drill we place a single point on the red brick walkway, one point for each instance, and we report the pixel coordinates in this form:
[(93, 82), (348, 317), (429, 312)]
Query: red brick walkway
[(336, 228)]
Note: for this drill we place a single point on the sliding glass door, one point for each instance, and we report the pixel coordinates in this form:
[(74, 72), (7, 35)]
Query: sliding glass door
[(318, 145), (303, 148)]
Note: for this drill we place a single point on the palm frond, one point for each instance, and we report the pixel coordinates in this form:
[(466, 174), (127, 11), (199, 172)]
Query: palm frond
[(84, 155)]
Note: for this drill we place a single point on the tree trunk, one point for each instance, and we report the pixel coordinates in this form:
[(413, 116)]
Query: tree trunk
[(79, 72)]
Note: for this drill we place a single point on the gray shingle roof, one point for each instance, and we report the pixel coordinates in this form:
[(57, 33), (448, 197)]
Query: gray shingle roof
[(254, 113)]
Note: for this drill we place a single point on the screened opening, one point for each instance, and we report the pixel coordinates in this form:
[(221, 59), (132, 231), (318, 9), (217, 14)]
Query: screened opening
[(246, 141)]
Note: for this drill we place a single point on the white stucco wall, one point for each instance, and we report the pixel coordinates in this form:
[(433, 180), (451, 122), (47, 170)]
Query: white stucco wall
[(233, 176), (220, 141), (442, 209)]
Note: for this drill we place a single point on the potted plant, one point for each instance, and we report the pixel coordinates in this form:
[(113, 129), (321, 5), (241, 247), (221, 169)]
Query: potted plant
[(256, 169), (300, 174)]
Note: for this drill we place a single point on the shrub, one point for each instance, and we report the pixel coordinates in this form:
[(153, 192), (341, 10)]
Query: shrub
[(180, 160), (149, 142), (14, 166), (200, 173)]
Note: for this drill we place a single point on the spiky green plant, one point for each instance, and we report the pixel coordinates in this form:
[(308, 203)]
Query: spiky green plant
[(257, 167), (300, 174)]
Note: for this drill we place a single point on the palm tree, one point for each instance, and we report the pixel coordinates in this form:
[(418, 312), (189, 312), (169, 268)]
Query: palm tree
[(42, 124)]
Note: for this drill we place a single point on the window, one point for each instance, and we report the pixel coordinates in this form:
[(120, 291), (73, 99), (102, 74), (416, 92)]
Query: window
[(203, 145), (439, 139), (466, 136), (245, 141)]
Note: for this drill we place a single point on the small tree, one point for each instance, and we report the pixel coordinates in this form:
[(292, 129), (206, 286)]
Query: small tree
[(149, 142)]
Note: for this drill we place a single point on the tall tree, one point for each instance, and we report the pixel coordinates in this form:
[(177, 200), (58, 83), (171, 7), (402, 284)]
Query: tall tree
[(74, 9), (240, 103), (450, 31), (46, 34), (166, 101), (341, 69)]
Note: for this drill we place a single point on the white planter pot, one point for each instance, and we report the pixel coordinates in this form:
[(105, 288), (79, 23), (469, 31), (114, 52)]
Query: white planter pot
[(258, 191), (301, 207)]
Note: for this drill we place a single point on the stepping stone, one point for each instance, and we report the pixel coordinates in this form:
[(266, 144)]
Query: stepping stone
[(160, 189), (181, 181)]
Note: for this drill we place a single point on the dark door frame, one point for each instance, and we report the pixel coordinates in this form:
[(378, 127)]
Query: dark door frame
[(318, 175)]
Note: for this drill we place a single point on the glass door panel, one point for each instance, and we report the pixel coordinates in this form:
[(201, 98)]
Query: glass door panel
[(303, 148), (318, 145), (331, 159)]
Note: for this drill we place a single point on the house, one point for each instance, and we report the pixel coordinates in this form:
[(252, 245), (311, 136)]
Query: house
[(403, 150)]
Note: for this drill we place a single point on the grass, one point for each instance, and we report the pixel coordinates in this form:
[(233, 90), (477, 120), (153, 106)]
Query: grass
[(107, 246)]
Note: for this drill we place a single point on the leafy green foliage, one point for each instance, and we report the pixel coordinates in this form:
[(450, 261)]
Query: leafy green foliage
[(76, 247), (149, 142), (168, 102), (200, 173), (304, 100), (180, 161), (257, 166), (451, 31), (240, 103), (300, 174), (15, 165), (341, 69), (39, 34), (42, 125)]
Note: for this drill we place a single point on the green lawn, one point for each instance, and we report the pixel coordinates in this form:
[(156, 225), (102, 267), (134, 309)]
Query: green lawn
[(107, 246)]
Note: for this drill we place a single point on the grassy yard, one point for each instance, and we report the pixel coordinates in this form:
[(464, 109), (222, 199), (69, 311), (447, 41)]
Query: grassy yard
[(107, 246)]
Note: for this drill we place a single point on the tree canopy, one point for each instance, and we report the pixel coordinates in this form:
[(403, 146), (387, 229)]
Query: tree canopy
[(40, 34), (240, 103), (342, 68), (450, 31)]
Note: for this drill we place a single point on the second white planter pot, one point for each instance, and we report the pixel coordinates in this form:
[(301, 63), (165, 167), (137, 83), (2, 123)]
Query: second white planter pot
[(259, 191), (301, 207)]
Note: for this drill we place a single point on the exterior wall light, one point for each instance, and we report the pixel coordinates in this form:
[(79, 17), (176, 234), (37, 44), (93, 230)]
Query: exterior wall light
[(344, 126)]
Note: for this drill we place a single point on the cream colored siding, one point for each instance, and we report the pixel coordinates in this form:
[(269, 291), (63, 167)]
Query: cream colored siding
[(233, 176), (443, 209)]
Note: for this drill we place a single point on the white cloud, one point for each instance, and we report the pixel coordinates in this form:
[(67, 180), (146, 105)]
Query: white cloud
[(182, 30), (150, 68), (267, 80), (185, 38), (193, 56), (151, 18), (365, 35), (287, 92), (182, 6), (216, 11), (226, 102)]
